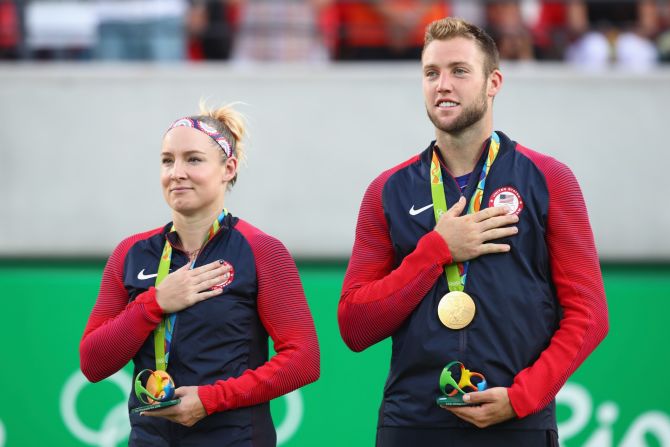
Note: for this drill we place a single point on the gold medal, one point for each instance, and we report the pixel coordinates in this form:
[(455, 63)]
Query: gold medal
[(456, 310)]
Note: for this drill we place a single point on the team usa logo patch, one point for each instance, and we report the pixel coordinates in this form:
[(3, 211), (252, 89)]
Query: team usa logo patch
[(509, 197), (228, 278)]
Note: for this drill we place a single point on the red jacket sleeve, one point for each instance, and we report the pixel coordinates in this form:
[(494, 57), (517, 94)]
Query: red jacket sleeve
[(284, 313), (376, 299), (578, 281), (116, 330)]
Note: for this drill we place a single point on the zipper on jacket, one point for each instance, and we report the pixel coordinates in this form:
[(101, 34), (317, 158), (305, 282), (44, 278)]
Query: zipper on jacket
[(173, 343), (463, 342)]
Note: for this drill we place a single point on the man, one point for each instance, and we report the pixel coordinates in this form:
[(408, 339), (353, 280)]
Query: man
[(533, 305)]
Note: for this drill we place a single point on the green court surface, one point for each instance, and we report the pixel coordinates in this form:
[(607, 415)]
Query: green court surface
[(619, 397)]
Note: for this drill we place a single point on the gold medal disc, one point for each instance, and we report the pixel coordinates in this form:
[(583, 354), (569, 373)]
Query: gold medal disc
[(456, 310)]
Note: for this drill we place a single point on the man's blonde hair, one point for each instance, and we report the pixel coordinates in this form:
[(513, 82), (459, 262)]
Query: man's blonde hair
[(451, 27)]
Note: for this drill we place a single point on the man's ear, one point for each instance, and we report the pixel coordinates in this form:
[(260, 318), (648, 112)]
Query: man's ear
[(495, 81)]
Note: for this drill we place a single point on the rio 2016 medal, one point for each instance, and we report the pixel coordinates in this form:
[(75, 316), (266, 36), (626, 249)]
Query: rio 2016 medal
[(456, 310)]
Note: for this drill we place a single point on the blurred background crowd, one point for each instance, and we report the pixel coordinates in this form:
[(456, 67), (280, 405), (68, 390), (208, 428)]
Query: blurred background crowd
[(633, 34)]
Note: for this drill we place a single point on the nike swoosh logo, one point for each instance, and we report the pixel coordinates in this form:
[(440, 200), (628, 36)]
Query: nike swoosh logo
[(413, 212), (141, 276)]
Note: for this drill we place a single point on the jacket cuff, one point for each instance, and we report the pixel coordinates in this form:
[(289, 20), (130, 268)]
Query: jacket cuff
[(433, 246), (207, 395), (151, 308), (520, 405)]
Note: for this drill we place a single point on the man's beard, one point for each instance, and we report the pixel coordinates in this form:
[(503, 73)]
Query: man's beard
[(467, 118)]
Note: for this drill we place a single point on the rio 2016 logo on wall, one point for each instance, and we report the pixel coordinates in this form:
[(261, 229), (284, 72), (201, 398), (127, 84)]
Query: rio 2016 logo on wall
[(650, 424), (115, 426)]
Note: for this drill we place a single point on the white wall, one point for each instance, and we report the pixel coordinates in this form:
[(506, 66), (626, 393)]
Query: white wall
[(79, 148)]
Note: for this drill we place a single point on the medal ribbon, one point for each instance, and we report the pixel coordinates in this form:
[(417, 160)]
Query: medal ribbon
[(163, 333), (456, 273)]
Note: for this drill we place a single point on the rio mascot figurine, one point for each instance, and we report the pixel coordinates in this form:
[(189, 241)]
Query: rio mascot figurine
[(455, 381), (155, 389)]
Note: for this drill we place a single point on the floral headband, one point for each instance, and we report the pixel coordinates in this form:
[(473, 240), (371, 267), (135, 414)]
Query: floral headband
[(207, 129)]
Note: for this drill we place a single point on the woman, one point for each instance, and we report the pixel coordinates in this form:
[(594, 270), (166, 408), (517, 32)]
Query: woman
[(206, 322)]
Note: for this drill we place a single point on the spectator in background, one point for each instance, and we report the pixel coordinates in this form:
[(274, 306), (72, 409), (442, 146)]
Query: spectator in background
[(281, 31), (619, 32), (9, 30), (59, 30), (505, 24), (385, 30), (550, 31), (663, 38), (664, 47), (141, 30), (211, 29)]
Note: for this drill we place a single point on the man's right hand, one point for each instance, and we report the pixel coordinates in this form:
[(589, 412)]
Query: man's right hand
[(467, 236)]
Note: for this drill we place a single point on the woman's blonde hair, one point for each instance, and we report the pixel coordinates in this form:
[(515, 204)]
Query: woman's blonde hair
[(228, 122)]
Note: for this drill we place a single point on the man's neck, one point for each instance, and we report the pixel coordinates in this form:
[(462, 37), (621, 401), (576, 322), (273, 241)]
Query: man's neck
[(461, 151), (193, 229)]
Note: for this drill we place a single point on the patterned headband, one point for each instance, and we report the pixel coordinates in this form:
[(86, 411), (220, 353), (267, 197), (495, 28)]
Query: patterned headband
[(207, 129)]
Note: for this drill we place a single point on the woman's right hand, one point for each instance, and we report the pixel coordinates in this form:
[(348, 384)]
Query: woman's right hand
[(185, 287)]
